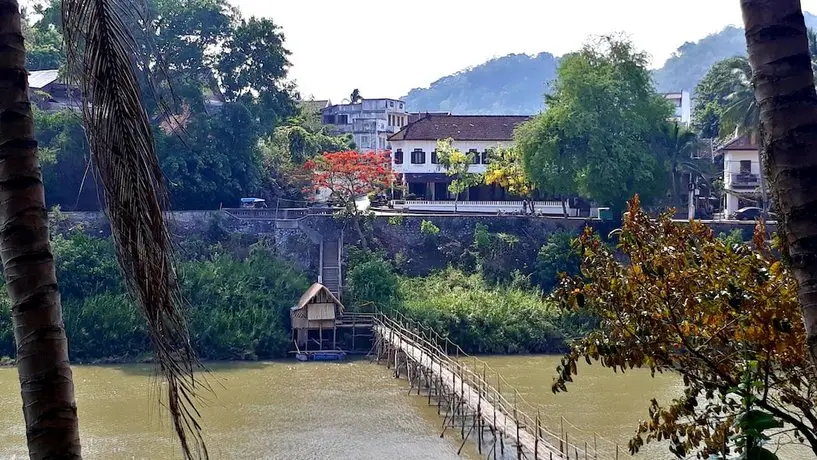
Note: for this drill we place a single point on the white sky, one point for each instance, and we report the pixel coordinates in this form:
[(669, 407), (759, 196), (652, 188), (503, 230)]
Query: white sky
[(387, 47)]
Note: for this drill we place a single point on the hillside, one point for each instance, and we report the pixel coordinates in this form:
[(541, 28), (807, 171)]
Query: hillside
[(516, 83), (512, 84)]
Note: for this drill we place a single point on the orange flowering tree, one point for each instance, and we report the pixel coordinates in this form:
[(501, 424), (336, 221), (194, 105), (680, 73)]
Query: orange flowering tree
[(724, 317), (348, 176)]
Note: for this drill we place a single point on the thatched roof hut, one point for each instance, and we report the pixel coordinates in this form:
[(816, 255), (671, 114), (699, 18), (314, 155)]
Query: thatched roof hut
[(316, 310)]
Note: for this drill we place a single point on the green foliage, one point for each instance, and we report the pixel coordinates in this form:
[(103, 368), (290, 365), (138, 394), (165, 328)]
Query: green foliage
[(65, 158), (105, 325), (239, 309), (672, 297), (44, 48), (428, 228), (218, 86), (85, 266), (712, 97), (238, 306), (398, 221), (215, 163), (735, 237), (458, 166), (556, 257), (372, 284), (596, 137), (482, 319)]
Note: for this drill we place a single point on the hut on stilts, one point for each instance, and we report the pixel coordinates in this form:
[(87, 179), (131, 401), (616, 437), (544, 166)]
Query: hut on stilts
[(314, 324)]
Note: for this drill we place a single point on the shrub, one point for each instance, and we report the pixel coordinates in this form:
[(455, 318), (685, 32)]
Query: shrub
[(428, 228), (372, 284), (556, 257), (481, 319)]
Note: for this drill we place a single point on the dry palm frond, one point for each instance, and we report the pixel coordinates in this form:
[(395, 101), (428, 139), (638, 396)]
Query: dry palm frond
[(101, 54)]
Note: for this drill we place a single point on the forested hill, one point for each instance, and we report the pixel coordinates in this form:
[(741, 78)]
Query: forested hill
[(512, 84), (690, 62), (516, 83)]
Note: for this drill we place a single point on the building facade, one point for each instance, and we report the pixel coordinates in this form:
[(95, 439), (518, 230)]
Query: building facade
[(51, 93), (414, 156), (370, 121), (741, 174), (682, 106)]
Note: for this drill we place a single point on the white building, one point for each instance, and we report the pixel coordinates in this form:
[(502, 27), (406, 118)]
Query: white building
[(414, 156), (370, 121), (682, 104), (741, 174)]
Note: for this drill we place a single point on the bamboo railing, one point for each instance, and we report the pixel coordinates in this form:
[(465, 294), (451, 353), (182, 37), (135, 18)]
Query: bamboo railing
[(478, 382)]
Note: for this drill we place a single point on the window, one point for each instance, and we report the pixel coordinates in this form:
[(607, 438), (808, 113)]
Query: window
[(329, 119), (391, 104), (401, 105), (746, 166), (398, 157), (475, 157), (343, 119), (364, 141), (434, 159), (418, 157), (485, 157)]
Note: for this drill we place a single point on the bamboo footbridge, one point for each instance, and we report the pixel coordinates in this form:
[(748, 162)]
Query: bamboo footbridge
[(458, 385)]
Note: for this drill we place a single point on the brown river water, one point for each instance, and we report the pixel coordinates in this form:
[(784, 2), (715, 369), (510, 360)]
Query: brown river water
[(352, 410)]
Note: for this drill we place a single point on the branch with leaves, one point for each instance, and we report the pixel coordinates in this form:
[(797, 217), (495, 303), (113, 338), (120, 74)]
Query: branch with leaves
[(725, 317)]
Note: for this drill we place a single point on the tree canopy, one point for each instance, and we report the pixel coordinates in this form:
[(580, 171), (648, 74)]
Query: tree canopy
[(725, 317), (596, 136), (216, 87)]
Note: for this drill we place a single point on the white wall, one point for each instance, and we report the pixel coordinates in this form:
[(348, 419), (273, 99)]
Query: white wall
[(731, 166), (430, 146)]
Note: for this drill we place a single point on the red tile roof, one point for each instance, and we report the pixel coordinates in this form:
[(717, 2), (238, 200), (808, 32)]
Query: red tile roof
[(461, 128), (739, 143)]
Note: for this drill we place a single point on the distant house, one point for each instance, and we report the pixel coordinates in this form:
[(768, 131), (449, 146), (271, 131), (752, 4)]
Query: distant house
[(414, 156), (50, 93), (741, 174), (370, 121), (682, 106)]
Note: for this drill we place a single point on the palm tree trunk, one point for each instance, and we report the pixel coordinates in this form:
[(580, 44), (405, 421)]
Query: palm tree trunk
[(784, 88), (564, 207), (46, 383)]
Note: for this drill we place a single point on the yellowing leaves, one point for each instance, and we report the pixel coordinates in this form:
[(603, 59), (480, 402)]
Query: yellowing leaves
[(672, 296)]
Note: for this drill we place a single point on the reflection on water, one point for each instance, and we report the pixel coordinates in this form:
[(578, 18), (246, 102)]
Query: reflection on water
[(355, 410)]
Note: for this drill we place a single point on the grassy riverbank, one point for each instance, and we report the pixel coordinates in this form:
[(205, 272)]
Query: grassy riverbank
[(238, 304)]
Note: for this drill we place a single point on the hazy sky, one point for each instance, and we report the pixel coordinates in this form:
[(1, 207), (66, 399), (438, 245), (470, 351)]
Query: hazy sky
[(386, 47)]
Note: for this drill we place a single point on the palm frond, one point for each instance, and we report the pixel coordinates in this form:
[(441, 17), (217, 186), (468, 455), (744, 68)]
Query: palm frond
[(100, 52)]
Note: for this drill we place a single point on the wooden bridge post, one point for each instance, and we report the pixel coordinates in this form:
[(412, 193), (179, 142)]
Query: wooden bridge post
[(516, 420), (562, 435), (536, 441)]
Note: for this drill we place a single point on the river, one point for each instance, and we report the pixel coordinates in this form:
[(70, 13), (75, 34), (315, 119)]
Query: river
[(353, 410)]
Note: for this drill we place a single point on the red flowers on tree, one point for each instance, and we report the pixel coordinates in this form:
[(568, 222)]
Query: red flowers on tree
[(349, 175)]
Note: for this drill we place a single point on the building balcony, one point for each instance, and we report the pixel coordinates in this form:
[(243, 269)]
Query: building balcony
[(744, 179)]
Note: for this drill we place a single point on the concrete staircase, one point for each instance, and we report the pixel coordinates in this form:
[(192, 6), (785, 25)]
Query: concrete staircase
[(330, 265)]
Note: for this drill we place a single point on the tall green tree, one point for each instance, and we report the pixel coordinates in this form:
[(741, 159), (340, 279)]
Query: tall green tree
[(602, 119), (784, 88), (712, 97), (458, 166), (549, 157), (679, 145), (741, 113)]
